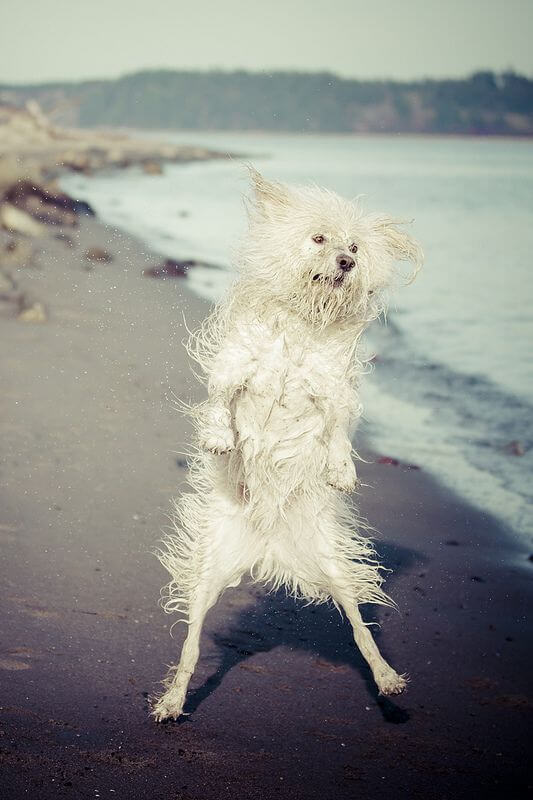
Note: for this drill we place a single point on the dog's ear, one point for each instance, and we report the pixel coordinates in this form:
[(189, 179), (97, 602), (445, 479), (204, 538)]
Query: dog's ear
[(399, 245), (269, 196)]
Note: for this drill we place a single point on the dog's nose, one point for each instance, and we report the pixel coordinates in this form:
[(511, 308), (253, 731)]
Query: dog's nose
[(346, 263)]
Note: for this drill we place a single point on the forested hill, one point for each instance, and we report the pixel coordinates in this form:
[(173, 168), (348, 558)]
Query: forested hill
[(484, 103)]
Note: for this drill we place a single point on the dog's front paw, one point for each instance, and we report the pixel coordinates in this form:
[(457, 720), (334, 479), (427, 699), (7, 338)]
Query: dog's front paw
[(219, 440), (343, 476)]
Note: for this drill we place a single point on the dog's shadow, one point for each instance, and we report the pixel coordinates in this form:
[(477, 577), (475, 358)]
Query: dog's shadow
[(276, 620)]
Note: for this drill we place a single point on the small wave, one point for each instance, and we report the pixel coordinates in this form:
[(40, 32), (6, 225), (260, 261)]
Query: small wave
[(463, 428)]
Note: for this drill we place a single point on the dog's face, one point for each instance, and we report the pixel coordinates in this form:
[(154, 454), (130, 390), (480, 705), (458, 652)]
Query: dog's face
[(320, 254)]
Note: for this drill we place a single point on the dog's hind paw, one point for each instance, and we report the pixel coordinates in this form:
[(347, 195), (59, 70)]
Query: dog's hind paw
[(390, 683), (168, 706)]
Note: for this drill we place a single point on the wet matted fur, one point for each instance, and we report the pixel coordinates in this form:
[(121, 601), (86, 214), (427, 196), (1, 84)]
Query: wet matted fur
[(271, 479)]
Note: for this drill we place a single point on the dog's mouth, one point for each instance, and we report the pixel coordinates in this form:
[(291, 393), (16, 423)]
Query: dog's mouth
[(336, 281)]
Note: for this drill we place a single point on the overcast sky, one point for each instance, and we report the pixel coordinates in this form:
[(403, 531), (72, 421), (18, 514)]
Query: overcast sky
[(43, 40)]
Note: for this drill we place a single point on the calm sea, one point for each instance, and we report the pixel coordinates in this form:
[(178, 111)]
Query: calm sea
[(453, 384)]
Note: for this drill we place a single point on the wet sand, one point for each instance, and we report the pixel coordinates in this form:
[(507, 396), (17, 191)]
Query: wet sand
[(282, 704)]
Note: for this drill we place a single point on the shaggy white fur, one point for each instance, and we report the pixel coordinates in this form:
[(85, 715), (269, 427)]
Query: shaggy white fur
[(281, 357)]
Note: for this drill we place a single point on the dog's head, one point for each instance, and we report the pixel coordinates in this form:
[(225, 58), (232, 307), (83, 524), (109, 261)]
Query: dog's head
[(321, 254)]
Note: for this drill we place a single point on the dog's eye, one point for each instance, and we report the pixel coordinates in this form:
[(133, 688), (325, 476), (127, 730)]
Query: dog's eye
[(353, 248), (319, 239)]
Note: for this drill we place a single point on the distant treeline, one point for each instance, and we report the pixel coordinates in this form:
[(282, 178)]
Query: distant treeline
[(484, 103)]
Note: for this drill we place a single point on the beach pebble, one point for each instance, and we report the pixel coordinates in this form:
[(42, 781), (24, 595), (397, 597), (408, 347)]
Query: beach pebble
[(388, 460), (17, 221), (169, 269), (16, 253), (6, 283), (65, 238), (152, 168), (79, 162), (49, 212), (10, 303), (44, 201), (34, 313), (98, 254), (515, 448), (393, 462)]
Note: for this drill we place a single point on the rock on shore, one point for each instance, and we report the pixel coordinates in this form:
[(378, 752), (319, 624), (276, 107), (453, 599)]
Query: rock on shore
[(34, 152)]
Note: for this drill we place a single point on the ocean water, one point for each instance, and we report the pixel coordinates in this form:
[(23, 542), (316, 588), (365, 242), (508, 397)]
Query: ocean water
[(453, 382)]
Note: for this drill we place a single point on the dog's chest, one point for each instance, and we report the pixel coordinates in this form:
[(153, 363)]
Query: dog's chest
[(288, 398), (289, 367)]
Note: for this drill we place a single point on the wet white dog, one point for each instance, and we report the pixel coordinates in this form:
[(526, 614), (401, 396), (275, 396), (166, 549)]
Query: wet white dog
[(281, 357)]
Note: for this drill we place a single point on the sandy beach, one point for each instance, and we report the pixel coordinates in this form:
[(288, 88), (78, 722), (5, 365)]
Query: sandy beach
[(282, 704)]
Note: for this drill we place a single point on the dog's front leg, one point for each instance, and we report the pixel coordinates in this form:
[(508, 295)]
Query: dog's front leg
[(341, 472), (216, 433), (231, 368)]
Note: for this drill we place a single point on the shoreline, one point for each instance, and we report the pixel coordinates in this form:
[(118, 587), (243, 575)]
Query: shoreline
[(93, 229), (89, 464), (323, 134)]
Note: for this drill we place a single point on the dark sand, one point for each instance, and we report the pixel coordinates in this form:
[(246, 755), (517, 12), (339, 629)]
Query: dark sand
[(282, 703)]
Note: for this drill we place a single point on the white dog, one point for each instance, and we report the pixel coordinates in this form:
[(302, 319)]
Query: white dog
[(281, 357)]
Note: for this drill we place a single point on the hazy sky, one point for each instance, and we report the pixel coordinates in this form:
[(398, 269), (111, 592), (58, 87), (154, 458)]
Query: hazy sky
[(72, 39)]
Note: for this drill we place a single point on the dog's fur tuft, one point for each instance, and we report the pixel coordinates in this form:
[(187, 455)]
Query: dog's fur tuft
[(280, 356)]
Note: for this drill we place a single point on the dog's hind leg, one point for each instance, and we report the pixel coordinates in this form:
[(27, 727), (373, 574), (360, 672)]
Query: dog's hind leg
[(387, 679), (170, 704), (352, 577), (221, 566)]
